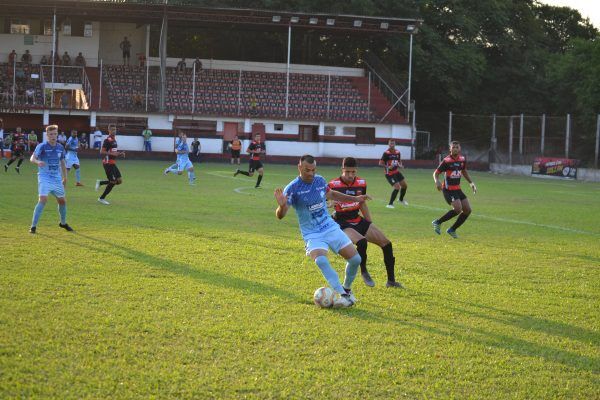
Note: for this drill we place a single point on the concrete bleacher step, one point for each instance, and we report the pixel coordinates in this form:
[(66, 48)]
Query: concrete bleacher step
[(379, 103), (93, 75)]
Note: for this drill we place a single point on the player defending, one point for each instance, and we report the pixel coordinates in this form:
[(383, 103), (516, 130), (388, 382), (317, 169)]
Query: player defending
[(109, 155), (308, 194), (72, 160), (354, 219), (183, 160), (392, 162), (255, 149), (17, 151), (49, 156), (453, 166)]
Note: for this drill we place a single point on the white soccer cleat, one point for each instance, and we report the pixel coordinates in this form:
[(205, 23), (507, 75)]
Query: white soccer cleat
[(389, 206), (166, 171), (404, 202), (97, 187), (342, 301), (351, 295), (103, 201)]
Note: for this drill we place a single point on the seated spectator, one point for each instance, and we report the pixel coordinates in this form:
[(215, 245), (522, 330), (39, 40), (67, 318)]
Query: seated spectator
[(5, 95), (26, 58), (142, 59), (137, 101), (12, 57), (79, 60), (32, 140), (62, 138), (66, 59), (181, 65), (20, 95), (44, 60), (83, 142), (55, 57), (64, 101), (30, 95), (198, 64)]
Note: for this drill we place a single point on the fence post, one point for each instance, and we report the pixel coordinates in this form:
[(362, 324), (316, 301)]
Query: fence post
[(100, 88), (567, 135), (240, 94), (369, 93), (450, 128), (543, 134), (193, 87), (597, 141), (492, 155), (510, 140), (521, 139)]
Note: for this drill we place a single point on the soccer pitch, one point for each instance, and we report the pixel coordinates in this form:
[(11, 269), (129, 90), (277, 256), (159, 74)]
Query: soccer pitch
[(178, 291)]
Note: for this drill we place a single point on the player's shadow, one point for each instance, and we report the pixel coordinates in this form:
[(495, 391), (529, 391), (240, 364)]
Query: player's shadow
[(473, 334), (211, 277)]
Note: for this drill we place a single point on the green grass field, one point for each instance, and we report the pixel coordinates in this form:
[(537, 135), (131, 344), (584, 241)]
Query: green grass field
[(175, 291)]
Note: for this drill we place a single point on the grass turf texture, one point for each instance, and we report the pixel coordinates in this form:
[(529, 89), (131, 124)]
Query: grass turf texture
[(200, 292)]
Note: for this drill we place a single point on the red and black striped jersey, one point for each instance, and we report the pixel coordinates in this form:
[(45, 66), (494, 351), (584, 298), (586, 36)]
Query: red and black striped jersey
[(110, 145), (452, 168), (392, 160), (348, 211), (255, 149)]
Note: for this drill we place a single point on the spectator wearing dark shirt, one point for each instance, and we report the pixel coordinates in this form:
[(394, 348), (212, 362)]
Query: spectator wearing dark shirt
[(12, 57), (80, 60), (26, 57), (66, 59), (125, 47), (181, 65)]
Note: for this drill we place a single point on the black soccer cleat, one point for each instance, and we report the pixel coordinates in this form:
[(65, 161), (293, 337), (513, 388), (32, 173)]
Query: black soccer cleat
[(6, 168), (394, 284), (66, 227), (32, 230), (236, 173), (367, 279), (18, 170)]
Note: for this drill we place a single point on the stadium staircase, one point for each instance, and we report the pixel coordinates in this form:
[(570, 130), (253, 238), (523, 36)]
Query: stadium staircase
[(379, 103), (93, 74)]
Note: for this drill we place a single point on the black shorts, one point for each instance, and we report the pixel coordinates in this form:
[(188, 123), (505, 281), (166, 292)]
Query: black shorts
[(235, 154), (254, 165), (396, 178), (361, 227), (451, 195), (126, 54), (17, 153), (112, 172)]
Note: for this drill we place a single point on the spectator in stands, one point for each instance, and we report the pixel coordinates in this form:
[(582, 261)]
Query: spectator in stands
[(198, 64), (137, 101), (196, 148), (64, 103), (147, 134), (125, 46), (66, 59), (12, 57), (44, 60), (62, 138), (97, 136), (26, 57), (235, 146), (80, 60), (6, 95), (30, 95), (83, 142), (54, 57), (32, 140), (253, 105), (181, 65), (1, 138), (20, 95), (142, 59)]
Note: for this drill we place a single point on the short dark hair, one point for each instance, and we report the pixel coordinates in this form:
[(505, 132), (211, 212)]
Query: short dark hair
[(349, 162), (452, 143), (308, 158)]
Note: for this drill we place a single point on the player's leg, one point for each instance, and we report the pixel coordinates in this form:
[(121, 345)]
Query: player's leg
[(396, 186), (191, 173), (62, 210), (110, 182), (375, 235), (456, 209), (39, 207), (466, 211), (171, 169), (250, 171), (18, 167), (77, 175), (10, 161), (319, 256), (361, 247), (403, 188), (261, 171)]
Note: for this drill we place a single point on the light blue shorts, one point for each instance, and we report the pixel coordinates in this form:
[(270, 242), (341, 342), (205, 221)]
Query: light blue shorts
[(334, 239), (184, 165), (54, 187), (71, 159)]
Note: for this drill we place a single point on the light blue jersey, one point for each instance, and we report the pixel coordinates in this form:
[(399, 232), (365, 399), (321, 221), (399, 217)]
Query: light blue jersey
[(183, 159), (72, 147), (308, 199), (50, 175)]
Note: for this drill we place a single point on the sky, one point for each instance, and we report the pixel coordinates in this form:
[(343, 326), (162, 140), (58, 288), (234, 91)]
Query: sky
[(588, 8)]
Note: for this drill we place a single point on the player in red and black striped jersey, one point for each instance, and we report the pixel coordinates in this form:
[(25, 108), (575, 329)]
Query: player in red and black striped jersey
[(453, 166), (354, 219), (255, 149), (109, 152), (17, 149), (391, 160)]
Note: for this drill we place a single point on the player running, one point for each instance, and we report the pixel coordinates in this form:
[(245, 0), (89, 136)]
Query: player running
[(109, 154), (183, 160), (255, 149), (354, 219), (72, 160), (17, 149), (308, 194), (49, 156), (391, 160), (453, 166)]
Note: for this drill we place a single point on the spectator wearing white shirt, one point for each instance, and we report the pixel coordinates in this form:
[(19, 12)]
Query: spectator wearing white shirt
[(97, 135)]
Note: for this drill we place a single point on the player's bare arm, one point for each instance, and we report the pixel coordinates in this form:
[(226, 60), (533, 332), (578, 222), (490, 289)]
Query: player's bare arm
[(366, 213), (37, 162), (339, 196), (63, 169), (468, 178), (438, 184), (282, 206)]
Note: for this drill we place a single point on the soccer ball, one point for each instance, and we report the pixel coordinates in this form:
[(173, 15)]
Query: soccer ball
[(324, 297)]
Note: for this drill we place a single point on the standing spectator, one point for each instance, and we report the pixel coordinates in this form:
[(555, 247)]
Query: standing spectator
[(125, 46), (84, 141), (12, 57), (147, 134), (5, 95), (253, 104), (44, 60), (26, 57), (62, 138), (196, 148), (1, 138), (137, 101), (235, 147), (198, 64), (66, 59), (54, 57), (181, 65), (30, 95), (142, 59), (97, 136), (64, 103), (32, 140), (79, 60)]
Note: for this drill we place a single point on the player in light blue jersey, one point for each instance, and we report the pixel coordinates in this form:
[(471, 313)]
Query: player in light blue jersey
[(49, 156), (183, 163), (308, 194), (71, 159)]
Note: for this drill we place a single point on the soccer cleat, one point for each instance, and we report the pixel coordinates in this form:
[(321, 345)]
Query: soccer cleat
[(351, 294), (6, 168), (342, 301), (103, 201), (236, 173), (452, 233), (436, 226), (97, 187), (257, 187), (403, 202), (18, 169), (166, 171), (32, 230), (367, 279), (79, 184), (66, 227), (394, 284), (389, 206)]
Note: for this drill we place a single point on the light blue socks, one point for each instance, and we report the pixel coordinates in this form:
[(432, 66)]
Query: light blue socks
[(37, 213), (62, 210), (351, 270), (78, 175), (329, 273)]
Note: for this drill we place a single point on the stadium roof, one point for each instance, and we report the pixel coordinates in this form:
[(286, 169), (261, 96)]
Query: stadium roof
[(187, 13)]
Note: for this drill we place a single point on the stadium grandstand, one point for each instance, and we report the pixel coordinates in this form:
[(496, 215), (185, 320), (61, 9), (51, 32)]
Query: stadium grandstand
[(62, 62)]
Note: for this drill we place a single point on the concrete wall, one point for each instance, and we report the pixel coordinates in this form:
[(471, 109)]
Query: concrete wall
[(583, 174)]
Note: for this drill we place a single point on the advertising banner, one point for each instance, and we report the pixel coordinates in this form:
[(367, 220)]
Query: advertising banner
[(555, 167)]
